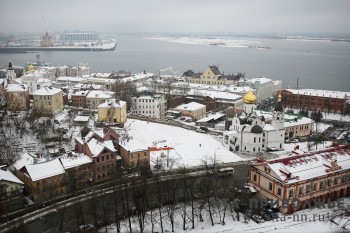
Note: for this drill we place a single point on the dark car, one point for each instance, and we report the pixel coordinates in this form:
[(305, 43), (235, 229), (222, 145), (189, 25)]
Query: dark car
[(265, 216), (257, 218)]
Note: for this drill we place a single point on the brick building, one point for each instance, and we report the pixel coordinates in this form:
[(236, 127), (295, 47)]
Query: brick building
[(101, 146), (314, 100), (317, 175)]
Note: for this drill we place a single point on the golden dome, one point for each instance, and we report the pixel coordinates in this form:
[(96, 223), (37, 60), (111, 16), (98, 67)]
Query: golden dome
[(249, 98), (31, 68)]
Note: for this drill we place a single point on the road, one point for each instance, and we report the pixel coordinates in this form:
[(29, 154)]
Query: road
[(48, 222)]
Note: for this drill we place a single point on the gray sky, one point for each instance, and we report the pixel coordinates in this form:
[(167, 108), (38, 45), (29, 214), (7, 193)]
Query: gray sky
[(209, 16)]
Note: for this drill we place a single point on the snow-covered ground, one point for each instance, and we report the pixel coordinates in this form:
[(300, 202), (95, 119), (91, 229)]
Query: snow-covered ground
[(190, 148), (308, 220), (320, 127)]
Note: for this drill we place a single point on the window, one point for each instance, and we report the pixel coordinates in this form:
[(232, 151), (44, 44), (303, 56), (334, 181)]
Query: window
[(300, 190), (321, 184), (314, 186), (290, 192), (279, 191), (270, 186), (328, 182), (307, 188), (335, 180), (254, 177)]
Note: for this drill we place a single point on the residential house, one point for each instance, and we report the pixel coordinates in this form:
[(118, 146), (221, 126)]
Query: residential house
[(17, 97), (149, 106), (94, 98), (78, 170), (48, 100), (193, 109), (11, 192), (79, 99), (43, 180), (101, 146), (112, 111), (134, 156)]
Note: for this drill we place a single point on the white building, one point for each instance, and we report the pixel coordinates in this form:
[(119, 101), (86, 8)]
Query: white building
[(251, 133), (77, 71), (35, 81), (149, 106), (95, 98), (264, 87)]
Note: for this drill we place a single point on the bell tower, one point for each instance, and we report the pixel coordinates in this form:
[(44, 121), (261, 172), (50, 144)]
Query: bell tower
[(278, 114), (10, 74)]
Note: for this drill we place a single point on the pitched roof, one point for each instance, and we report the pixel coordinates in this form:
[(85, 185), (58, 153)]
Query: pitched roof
[(44, 170), (215, 70), (8, 176), (74, 160), (47, 91), (96, 147), (310, 165)]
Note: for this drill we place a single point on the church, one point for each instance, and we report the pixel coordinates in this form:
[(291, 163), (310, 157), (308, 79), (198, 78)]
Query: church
[(251, 133)]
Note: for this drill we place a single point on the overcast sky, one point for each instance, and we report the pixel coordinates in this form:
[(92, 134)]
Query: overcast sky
[(186, 16)]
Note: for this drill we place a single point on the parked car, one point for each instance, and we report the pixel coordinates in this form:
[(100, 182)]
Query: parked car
[(200, 131), (265, 216), (257, 218), (186, 127)]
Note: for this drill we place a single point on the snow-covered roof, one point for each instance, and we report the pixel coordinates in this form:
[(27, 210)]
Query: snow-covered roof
[(81, 118), (261, 80), (74, 160), (310, 165), (80, 93), (47, 91), (25, 159), (322, 93), (211, 117), (193, 106), (100, 94), (16, 87), (101, 75), (96, 147), (268, 127), (9, 176), (137, 77), (44, 170), (69, 79), (112, 104), (98, 131), (215, 94)]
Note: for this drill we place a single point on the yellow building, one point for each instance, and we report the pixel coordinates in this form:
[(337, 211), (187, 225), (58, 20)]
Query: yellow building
[(194, 110), (48, 100), (212, 76), (46, 41), (112, 111)]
